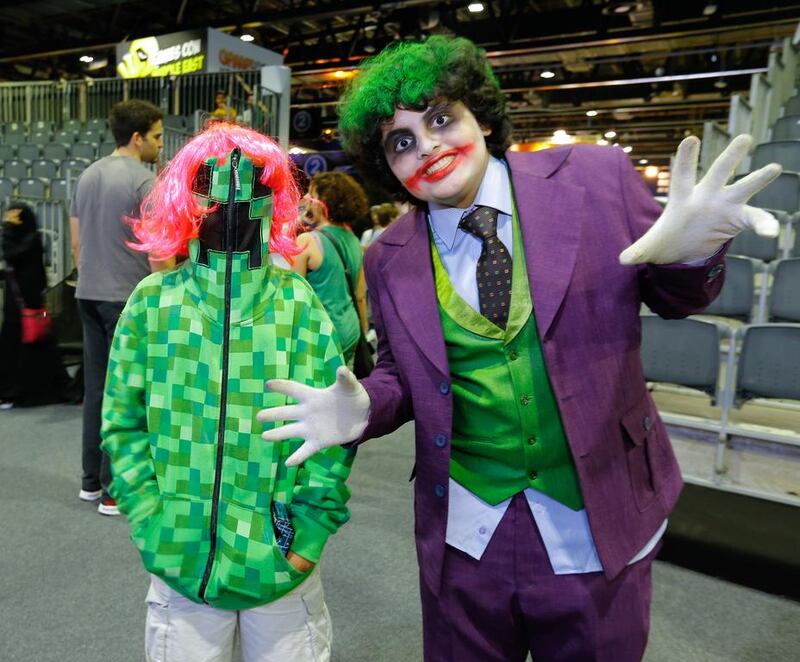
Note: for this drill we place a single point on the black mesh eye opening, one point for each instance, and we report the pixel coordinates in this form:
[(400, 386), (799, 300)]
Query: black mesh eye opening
[(202, 181), (260, 190)]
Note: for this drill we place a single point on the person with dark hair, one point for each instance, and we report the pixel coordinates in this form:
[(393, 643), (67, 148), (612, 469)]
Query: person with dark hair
[(105, 195), (507, 313), (330, 251), (381, 216), (31, 371), (222, 110)]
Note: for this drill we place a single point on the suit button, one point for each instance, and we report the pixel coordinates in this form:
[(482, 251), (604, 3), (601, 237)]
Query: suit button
[(647, 423), (524, 400), (513, 355), (444, 388), (533, 475), (440, 440), (439, 490), (531, 440), (714, 272)]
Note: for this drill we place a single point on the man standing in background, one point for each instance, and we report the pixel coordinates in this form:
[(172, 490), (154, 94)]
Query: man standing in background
[(106, 194)]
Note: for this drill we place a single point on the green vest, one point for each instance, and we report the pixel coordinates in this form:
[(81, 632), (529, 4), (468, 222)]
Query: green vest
[(507, 430)]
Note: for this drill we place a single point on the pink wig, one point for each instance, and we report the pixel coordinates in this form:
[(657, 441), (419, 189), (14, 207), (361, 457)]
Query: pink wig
[(170, 214)]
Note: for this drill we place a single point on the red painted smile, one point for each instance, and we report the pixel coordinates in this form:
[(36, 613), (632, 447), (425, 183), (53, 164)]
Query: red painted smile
[(438, 167)]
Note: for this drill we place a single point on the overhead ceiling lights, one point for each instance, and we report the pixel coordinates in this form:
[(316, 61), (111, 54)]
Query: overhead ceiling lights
[(602, 141), (475, 7), (627, 149), (247, 37), (610, 134), (561, 137), (651, 171), (86, 58), (710, 9), (643, 161), (591, 113), (547, 73)]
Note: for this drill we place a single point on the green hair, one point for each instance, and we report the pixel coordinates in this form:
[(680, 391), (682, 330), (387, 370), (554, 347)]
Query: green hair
[(411, 75)]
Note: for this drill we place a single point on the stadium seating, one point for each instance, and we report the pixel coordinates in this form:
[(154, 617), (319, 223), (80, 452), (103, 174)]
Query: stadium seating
[(784, 297)]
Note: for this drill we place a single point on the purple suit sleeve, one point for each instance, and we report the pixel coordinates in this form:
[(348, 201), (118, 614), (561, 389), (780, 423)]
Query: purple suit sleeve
[(669, 290), (390, 399)]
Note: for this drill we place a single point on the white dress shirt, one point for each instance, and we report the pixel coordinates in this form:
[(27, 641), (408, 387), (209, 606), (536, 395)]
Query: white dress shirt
[(471, 522)]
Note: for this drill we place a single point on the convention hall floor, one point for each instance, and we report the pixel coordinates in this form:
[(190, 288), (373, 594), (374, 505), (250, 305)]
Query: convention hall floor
[(73, 589)]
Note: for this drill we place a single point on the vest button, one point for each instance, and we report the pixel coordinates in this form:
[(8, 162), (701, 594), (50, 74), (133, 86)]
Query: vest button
[(440, 440), (444, 388), (647, 423), (531, 440), (533, 475), (513, 355), (524, 400), (439, 490)]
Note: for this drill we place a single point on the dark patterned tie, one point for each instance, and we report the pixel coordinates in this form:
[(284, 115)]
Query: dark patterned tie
[(494, 265)]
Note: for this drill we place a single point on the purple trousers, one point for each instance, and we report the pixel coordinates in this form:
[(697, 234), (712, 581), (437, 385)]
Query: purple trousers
[(510, 603)]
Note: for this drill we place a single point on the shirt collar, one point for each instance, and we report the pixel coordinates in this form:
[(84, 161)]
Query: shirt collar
[(494, 191)]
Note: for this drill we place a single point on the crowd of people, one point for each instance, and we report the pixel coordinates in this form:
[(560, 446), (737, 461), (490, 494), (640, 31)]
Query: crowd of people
[(505, 304)]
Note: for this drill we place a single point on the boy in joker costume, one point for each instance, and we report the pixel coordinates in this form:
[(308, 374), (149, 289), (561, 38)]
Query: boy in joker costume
[(507, 312), (230, 535)]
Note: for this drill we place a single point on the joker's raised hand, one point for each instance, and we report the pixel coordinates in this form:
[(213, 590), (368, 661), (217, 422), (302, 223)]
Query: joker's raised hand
[(700, 218), (323, 417)]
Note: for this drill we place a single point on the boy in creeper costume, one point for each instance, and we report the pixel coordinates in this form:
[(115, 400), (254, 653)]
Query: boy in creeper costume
[(230, 535), (507, 312)]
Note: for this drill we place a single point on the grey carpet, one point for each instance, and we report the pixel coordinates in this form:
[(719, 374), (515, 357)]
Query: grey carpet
[(73, 590)]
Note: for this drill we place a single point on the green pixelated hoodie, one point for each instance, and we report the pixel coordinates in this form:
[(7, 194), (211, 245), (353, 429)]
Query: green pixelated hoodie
[(186, 375)]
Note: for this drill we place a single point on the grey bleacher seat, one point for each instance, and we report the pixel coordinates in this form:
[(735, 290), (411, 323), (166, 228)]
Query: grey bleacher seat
[(57, 151), (28, 152), (65, 136), (73, 124), (32, 187), (97, 123), (16, 169), (735, 300), (175, 122), (7, 152), (750, 244), (75, 166), (786, 128), (7, 188), (783, 194), (40, 137), (91, 136), (43, 126), (58, 189), (792, 106), (105, 149), (769, 363), (15, 128), (47, 168), (83, 151), (683, 352), (15, 139), (784, 295), (785, 152)]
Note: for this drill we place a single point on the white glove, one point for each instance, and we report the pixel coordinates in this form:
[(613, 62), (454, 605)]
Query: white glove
[(699, 219), (324, 417)]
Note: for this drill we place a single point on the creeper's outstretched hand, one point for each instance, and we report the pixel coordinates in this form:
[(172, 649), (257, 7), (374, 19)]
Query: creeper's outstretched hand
[(700, 218), (323, 417)]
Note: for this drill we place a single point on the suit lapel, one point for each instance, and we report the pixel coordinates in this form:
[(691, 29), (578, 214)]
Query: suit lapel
[(551, 216), (408, 276)]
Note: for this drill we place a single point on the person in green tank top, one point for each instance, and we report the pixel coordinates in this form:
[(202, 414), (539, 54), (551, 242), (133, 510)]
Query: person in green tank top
[(335, 200)]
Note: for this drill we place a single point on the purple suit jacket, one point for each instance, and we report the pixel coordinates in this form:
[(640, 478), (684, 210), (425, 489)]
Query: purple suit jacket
[(579, 207)]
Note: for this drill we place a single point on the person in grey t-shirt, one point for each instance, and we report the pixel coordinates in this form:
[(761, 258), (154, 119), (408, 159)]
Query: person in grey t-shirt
[(109, 191)]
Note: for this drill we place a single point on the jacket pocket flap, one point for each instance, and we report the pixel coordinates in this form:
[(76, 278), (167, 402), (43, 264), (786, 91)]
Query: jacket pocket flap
[(638, 421)]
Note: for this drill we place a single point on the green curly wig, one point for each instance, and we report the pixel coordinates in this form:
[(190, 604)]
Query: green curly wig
[(411, 75)]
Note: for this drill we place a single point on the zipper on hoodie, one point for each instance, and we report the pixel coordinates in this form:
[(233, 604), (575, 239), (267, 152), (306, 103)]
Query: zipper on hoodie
[(228, 235)]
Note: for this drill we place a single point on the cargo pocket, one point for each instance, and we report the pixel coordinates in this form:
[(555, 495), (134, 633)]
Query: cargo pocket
[(157, 622), (639, 432), (318, 620)]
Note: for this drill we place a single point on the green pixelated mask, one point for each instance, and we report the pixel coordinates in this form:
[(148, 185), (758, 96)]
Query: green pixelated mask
[(241, 221)]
